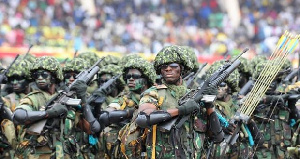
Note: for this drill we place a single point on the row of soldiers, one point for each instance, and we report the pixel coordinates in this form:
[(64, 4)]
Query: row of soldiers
[(132, 108)]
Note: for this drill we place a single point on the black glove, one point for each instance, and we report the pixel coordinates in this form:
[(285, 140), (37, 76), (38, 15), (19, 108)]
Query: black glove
[(210, 90), (188, 107), (229, 129), (58, 110), (275, 100), (80, 88)]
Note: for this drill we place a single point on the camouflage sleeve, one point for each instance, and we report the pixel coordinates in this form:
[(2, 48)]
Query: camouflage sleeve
[(26, 104), (150, 96), (6, 102)]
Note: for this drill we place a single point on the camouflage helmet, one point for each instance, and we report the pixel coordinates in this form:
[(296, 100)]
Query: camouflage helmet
[(50, 64), (90, 57), (113, 70), (170, 54), (144, 66), (128, 57), (232, 80), (244, 66), (76, 65), (20, 68), (256, 60), (193, 57), (110, 59)]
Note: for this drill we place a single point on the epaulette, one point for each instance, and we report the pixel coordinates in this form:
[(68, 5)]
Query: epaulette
[(161, 86)]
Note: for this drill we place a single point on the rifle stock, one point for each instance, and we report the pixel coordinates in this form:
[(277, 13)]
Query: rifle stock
[(64, 97)]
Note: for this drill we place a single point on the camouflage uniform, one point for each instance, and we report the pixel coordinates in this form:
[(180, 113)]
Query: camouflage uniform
[(124, 102), (52, 141), (242, 148), (187, 139), (277, 131)]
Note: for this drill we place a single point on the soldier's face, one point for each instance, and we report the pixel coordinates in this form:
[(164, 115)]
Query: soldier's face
[(19, 83), (134, 80), (42, 79), (104, 78), (70, 77), (222, 91), (171, 73)]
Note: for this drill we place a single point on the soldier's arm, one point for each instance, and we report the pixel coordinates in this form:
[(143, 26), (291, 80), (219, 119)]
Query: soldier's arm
[(113, 114), (25, 114)]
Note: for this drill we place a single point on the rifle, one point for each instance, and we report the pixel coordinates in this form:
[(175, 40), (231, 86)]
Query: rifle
[(100, 94), (191, 77), (246, 88), (65, 97), (27, 52), (290, 76), (3, 78), (218, 77)]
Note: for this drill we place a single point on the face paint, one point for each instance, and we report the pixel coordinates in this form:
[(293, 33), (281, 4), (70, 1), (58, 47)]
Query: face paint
[(104, 78), (19, 84), (134, 80), (70, 77), (222, 91), (42, 79)]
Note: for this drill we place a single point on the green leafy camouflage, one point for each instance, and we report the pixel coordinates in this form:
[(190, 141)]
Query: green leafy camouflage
[(76, 65), (48, 63), (128, 57), (171, 54), (256, 60), (193, 57), (109, 59), (232, 80), (90, 57), (144, 66), (20, 68), (244, 66)]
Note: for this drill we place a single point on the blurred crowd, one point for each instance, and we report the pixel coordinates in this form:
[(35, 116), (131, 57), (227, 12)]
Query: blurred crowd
[(145, 26)]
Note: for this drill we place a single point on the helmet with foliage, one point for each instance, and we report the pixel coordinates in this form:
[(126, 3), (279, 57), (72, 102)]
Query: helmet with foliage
[(232, 80), (244, 66), (75, 65), (20, 68), (258, 69), (110, 59), (90, 57), (50, 64), (144, 66), (256, 60), (193, 57), (113, 70), (128, 57), (172, 54)]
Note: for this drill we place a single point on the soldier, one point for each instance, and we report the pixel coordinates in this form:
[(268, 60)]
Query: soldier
[(226, 107), (105, 74), (110, 60), (72, 68), (91, 58), (273, 115), (55, 139), (139, 75), (159, 104)]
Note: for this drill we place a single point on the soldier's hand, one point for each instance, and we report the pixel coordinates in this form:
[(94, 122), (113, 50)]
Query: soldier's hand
[(229, 129), (80, 88), (188, 107), (58, 110), (275, 100), (210, 90)]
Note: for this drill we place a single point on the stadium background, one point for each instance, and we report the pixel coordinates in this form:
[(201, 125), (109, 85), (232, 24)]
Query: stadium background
[(215, 28)]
